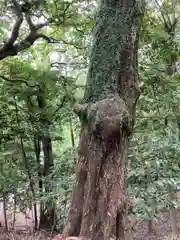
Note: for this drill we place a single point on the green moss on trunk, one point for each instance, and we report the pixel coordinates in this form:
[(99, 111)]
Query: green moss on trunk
[(99, 196), (114, 24)]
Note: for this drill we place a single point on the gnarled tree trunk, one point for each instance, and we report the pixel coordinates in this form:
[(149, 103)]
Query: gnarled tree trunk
[(107, 116)]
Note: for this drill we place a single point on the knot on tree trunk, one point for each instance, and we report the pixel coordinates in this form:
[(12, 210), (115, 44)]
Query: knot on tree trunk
[(105, 118)]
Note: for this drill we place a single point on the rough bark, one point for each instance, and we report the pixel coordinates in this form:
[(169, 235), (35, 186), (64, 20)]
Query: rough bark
[(98, 201)]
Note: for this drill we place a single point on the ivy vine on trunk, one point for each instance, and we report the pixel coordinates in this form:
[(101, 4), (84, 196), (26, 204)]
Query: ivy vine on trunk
[(107, 117)]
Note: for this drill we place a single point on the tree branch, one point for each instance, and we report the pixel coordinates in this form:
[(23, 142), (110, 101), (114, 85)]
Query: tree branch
[(63, 101), (19, 81), (12, 47), (17, 25), (45, 24), (30, 23)]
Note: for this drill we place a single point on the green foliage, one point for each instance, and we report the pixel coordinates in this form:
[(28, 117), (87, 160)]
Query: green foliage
[(36, 104), (154, 153)]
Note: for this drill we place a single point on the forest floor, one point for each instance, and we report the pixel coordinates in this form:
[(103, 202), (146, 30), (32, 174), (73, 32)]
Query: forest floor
[(161, 231), (161, 228)]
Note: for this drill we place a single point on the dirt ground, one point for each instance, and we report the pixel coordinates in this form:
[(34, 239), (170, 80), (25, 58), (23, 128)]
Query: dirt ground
[(161, 228), (161, 231), (24, 236)]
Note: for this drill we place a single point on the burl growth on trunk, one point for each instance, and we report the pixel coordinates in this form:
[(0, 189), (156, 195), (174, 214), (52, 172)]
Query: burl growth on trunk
[(98, 196)]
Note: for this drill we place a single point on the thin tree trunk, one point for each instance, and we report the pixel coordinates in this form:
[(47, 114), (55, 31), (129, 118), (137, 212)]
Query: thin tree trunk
[(172, 211), (173, 216), (35, 216), (47, 219), (48, 212), (150, 226), (71, 133), (107, 116), (42, 135), (5, 213), (14, 211), (31, 183), (37, 148), (171, 69)]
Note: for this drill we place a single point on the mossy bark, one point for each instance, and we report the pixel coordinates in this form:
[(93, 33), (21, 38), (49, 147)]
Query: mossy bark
[(107, 115)]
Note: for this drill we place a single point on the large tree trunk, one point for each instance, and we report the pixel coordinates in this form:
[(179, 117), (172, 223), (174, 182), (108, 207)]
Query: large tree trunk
[(107, 116)]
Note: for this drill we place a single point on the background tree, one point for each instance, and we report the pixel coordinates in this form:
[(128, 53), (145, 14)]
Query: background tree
[(33, 92), (153, 161)]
